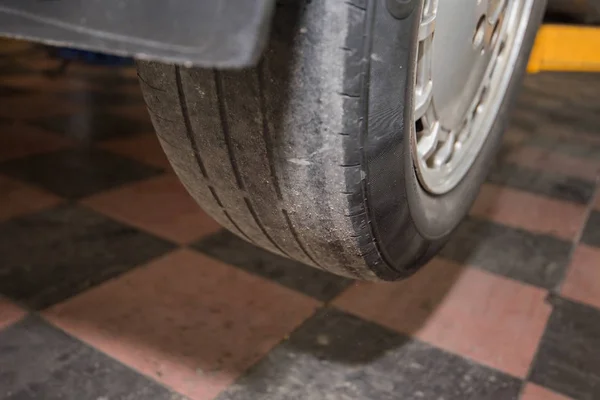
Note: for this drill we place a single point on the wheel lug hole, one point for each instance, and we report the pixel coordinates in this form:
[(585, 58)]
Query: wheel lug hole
[(495, 33), (479, 36)]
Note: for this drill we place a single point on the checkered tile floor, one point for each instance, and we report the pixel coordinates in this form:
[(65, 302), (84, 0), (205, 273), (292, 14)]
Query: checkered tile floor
[(114, 285)]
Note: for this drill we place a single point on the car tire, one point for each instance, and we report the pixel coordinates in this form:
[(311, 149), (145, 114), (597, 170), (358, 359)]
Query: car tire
[(307, 154)]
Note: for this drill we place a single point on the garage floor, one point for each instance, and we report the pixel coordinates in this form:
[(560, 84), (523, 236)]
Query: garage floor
[(114, 285)]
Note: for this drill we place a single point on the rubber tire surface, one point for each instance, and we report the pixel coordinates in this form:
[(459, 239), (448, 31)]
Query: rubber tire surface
[(306, 154)]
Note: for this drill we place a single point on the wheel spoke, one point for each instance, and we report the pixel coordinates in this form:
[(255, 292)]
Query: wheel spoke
[(423, 98), (427, 27), (424, 85), (428, 142), (444, 153)]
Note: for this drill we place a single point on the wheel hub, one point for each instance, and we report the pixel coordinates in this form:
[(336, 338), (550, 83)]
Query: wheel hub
[(467, 50), (461, 53)]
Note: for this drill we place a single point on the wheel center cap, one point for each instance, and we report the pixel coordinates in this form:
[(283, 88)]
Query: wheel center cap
[(461, 53)]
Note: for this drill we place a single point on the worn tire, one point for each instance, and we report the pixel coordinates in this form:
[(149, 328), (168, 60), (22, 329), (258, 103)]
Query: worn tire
[(305, 155)]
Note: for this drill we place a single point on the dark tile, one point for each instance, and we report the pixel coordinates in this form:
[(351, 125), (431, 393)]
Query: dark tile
[(76, 173), (524, 120), (572, 114), (553, 185), (57, 253), (311, 281), (7, 91), (591, 232), (566, 145), (535, 259), (94, 126), (559, 112), (12, 69), (5, 122), (38, 361), (338, 356), (96, 99), (110, 79), (567, 360), (574, 88), (116, 81)]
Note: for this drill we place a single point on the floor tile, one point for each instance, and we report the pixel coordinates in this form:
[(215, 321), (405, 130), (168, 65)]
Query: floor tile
[(582, 282), (76, 173), (562, 114), (118, 82), (531, 258), (591, 232), (567, 361), (525, 121), (18, 199), (186, 320), (535, 392), (111, 80), (337, 356), (19, 140), (548, 161), (10, 70), (98, 100), (534, 213), (313, 282), (46, 84), (9, 314), (514, 137), (567, 134), (567, 146), (6, 92), (40, 362), (93, 125), (37, 62), (57, 253), (159, 205), (143, 148), (490, 319), (39, 105), (134, 111), (557, 186)]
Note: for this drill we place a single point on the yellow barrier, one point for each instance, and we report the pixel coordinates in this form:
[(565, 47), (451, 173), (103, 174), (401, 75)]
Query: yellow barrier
[(566, 48)]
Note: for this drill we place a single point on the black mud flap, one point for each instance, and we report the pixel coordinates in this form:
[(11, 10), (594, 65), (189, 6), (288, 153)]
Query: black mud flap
[(209, 33)]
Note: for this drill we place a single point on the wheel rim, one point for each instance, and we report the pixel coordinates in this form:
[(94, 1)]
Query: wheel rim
[(466, 56)]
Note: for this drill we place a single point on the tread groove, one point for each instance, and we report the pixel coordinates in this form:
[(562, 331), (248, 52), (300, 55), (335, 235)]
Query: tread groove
[(356, 6), (214, 194), (225, 127), (237, 226), (186, 119), (266, 132), (262, 228), (297, 238)]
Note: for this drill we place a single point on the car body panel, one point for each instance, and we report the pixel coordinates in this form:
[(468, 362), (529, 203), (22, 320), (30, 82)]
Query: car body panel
[(209, 33), (223, 33)]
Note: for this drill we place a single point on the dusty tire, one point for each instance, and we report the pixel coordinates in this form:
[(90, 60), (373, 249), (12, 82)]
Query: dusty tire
[(305, 155)]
